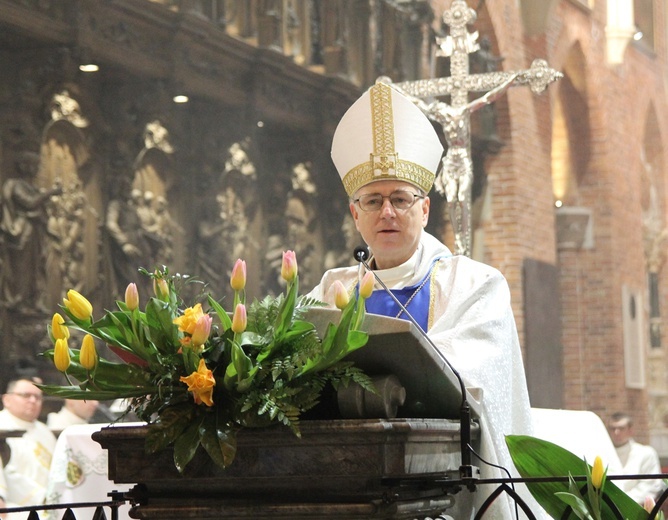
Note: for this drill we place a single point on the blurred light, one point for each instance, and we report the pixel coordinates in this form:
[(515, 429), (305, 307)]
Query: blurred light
[(558, 203), (89, 67), (260, 124), (180, 98), (637, 36)]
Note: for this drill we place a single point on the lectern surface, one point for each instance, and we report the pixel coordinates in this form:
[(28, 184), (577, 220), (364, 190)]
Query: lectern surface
[(396, 347)]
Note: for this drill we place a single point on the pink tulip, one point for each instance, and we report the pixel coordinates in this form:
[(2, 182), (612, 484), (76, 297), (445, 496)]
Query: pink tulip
[(649, 504), (239, 319), (202, 330), (340, 295), (289, 266), (132, 296), (366, 287), (238, 278)]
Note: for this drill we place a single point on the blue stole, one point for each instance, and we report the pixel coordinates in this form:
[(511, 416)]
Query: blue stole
[(419, 295)]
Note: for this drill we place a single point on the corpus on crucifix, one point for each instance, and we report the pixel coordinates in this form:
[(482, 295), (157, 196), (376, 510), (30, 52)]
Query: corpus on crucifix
[(455, 178)]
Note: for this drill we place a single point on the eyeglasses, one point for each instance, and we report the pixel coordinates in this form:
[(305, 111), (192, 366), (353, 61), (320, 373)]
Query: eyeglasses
[(399, 199), (26, 395)]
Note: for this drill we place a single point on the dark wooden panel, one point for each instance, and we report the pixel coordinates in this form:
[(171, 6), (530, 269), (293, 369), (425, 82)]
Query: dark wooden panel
[(542, 334)]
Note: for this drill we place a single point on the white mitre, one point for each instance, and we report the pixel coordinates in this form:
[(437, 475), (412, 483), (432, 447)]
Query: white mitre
[(384, 136)]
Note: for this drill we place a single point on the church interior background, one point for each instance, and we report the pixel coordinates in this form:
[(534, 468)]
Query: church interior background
[(190, 133)]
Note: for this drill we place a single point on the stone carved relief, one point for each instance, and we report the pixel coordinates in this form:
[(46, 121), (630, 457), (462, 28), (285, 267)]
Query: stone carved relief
[(130, 245), (73, 249), (223, 231), (343, 256), (157, 136), (64, 107), (24, 235), (298, 234), (153, 178), (66, 241)]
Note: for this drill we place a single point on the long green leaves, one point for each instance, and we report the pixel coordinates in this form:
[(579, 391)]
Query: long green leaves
[(539, 458)]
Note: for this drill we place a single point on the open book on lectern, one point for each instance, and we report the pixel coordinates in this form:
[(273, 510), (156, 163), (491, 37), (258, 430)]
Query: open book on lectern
[(397, 347)]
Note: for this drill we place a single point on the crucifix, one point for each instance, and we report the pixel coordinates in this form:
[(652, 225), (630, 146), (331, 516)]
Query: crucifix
[(456, 175)]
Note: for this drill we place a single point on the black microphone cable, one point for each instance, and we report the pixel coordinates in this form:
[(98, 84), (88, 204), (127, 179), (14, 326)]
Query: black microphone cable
[(467, 471)]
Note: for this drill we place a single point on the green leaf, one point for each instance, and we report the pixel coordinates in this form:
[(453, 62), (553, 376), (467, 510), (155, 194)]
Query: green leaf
[(173, 421), (190, 360), (159, 319), (286, 310), (224, 318), (577, 504), (186, 446), (356, 339), (242, 363), (539, 458), (219, 443)]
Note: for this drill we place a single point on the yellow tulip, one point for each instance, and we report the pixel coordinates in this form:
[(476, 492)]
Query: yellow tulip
[(289, 266), (238, 278), (58, 329), (340, 294), (78, 305), (201, 384), (366, 287), (597, 473), (88, 353), (131, 296), (239, 319), (61, 355)]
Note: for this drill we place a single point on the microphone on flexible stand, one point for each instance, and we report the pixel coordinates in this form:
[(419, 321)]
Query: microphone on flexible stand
[(467, 472)]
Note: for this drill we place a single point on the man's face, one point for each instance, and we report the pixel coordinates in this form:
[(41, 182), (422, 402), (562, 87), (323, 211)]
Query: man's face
[(24, 401), (620, 432), (392, 234)]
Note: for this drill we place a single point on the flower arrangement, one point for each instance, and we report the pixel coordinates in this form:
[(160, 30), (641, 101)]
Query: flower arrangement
[(197, 376), (592, 500)]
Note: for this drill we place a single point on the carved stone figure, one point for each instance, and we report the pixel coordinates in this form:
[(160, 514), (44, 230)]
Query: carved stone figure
[(65, 226), (64, 107), (130, 246), (165, 228), (222, 234), (23, 226), (300, 220), (344, 257)]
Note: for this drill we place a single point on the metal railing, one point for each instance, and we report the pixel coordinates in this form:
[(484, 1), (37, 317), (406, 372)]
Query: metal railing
[(117, 499), (505, 486)]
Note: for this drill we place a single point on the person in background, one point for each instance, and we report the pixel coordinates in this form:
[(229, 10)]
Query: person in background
[(74, 411), (27, 470), (636, 459), (387, 153)]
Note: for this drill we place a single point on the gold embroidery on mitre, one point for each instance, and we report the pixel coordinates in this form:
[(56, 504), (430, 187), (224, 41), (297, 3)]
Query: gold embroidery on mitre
[(384, 164), (382, 120), (403, 171)]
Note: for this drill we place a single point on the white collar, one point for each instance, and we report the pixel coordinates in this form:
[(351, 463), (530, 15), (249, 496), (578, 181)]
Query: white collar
[(401, 275)]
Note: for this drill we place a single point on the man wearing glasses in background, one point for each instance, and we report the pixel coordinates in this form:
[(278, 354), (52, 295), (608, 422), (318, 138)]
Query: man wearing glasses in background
[(387, 153), (27, 470)]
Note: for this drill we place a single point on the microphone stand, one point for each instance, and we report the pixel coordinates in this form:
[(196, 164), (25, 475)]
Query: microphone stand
[(468, 473)]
